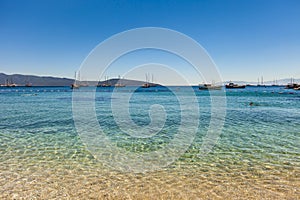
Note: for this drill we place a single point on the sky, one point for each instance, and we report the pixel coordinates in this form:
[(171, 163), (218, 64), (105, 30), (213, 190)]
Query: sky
[(246, 39)]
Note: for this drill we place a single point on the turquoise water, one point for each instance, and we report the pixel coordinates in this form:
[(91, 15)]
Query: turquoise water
[(261, 143)]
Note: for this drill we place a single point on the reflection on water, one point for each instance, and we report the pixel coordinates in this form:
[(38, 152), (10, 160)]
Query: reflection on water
[(257, 155)]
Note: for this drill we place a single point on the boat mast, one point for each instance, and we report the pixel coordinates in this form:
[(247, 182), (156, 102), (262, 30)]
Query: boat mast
[(152, 78), (79, 77)]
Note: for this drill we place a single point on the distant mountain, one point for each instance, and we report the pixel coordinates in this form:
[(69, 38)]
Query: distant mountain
[(284, 81), (22, 80), (278, 82), (126, 82)]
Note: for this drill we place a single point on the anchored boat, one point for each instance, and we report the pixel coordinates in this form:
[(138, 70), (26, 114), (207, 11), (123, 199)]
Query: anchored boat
[(232, 85), (207, 86)]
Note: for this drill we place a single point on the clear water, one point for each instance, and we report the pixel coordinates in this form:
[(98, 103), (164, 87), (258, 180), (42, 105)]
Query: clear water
[(256, 156)]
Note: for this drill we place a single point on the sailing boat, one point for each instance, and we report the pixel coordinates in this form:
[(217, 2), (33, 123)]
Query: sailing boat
[(74, 85), (147, 84), (105, 84), (10, 84), (152, 84), (292, 85), (28, 84), (81, 83), (261, 84), (119, 83)]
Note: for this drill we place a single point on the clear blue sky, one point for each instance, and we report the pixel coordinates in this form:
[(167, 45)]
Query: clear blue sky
[(245, 38)]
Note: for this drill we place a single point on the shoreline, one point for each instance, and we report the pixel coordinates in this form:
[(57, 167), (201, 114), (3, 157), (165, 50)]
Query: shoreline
[(78, 182)]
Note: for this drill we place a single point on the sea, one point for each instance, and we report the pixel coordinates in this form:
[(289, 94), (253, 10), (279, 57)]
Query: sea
[(253, 150)]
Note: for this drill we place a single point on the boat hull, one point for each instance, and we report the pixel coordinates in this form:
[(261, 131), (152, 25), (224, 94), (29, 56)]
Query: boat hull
[(210, 87), (235, 87)]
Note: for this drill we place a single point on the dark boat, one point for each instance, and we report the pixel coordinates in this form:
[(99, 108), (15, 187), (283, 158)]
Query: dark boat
[(105, 83), (146, 85), (292, 86), (232, 85)]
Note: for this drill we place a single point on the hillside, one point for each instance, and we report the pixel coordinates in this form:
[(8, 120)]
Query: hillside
[(126, 82), (21, 80)]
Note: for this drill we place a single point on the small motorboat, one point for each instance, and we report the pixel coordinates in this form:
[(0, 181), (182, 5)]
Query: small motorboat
[(209, 87), (232, 85), (292, 86)]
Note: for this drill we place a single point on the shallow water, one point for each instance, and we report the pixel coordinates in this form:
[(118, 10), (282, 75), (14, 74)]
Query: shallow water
[(257, 155)]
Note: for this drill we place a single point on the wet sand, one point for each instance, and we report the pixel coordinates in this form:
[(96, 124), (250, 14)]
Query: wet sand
[(73, 180)]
